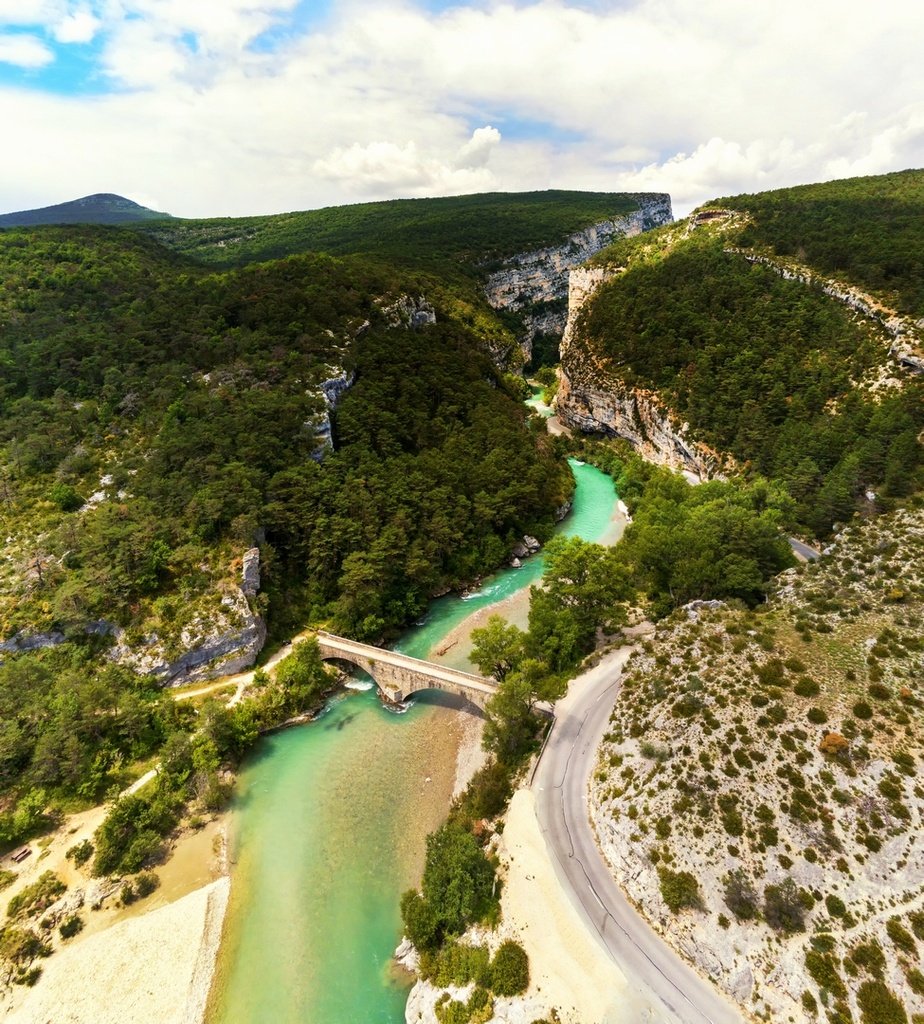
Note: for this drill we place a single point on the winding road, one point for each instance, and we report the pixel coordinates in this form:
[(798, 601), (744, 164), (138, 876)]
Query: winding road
[(663, 981)]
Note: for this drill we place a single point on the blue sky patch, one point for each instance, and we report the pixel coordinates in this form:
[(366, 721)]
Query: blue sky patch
[(75, 70), (307, 15), (520, 129)]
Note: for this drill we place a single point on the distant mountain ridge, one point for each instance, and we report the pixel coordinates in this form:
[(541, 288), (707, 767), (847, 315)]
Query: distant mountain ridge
[(100, 208)]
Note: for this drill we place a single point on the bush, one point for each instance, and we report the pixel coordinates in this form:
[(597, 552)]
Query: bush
[(878, 1005), (457, 964), (146, 883), (901, 937), (870, 957), (915, 980), (70, 927), (679, 889), (816, 716), (806, 687), (862, 710), (822, 968), (834, 745), (835, 905), (783, 908), (740, 896), (80, 853), (509, 969)]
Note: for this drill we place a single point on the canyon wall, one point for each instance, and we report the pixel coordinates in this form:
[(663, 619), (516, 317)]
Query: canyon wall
[(535, 284), (594, 401)]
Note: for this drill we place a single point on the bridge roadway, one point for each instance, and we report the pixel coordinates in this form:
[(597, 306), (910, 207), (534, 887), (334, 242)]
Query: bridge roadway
[(399, 675)]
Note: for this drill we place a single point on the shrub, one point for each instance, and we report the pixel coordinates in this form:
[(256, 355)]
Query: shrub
[(740, 895), (901, 937), (146, 883), (816, 716), (835, 905), (80, 853), (878, 691), (822, 968), (806, 687), (70, 927), (915, 980), (834, 745), (878, 1005), (862, 710), (783, 909), (509, 969), (679, 889), (870, 957), (809, 1002), (916, 917)]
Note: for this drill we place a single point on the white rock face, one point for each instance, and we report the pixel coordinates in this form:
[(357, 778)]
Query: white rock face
[(591, 401), (227, 642), (331, 388), (410, 313), (537, 282)]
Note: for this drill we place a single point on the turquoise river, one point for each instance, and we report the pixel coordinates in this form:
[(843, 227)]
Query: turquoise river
[(330, 819)]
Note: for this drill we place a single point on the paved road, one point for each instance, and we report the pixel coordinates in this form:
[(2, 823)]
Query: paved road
[(803, 550), (665, 984)]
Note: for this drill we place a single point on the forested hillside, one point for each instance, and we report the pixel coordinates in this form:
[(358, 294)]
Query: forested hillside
[(159, 418), (463, 231), (789, 381)]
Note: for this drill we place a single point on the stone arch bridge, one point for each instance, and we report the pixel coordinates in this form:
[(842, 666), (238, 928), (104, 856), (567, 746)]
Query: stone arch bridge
[(398, 675)]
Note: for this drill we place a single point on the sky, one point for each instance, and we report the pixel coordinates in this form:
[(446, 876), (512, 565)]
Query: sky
[(207, 108)]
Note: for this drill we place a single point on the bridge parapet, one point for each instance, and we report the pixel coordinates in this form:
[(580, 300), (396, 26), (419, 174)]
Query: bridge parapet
[(399, 675)]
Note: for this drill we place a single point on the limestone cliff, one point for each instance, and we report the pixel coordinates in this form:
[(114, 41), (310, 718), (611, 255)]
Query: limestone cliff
[(535, 284), (224, 638), (594, 401)]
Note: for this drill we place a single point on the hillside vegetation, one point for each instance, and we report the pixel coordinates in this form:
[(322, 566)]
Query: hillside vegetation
[(792, 383), (457, 230), (758, 791), (863, 230), (158, 418)]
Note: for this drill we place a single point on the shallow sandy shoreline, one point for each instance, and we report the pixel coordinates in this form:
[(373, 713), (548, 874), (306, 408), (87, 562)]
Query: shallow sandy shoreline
[(156, 967)]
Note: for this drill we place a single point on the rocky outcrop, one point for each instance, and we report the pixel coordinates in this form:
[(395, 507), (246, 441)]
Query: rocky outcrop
[(535, 284), (31, 641), (226, 642), (637, 417), (594, 402), (331, 389), (250, 573), (410, 313), (221, 643)]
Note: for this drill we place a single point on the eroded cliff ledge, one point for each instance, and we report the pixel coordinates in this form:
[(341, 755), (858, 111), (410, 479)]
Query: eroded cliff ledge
[(535, 284), (593, 400)]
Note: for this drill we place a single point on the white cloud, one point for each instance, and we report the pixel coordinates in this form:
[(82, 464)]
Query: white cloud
[(78, 27), (386, 167), (381, 100), (477, 151), (24, 51)]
